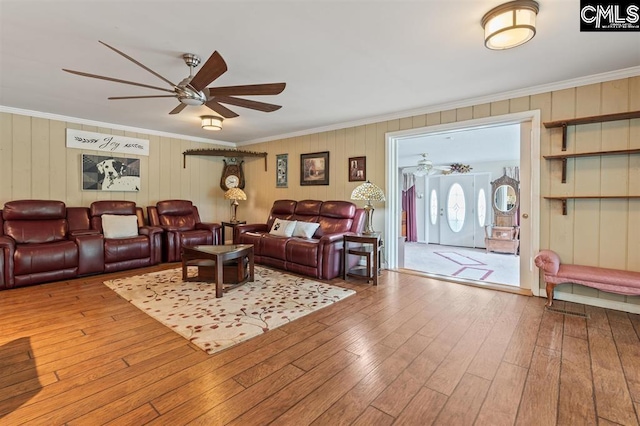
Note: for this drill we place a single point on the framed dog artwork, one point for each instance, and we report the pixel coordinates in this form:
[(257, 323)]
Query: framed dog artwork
[(105, 173)]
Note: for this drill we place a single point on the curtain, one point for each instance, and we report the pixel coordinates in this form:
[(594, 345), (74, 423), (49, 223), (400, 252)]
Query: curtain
[(409, 205)]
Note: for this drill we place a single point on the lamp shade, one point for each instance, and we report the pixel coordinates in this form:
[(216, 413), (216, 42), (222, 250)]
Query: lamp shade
[(235, 194), (367, 191), (510, 24), (211, 122)]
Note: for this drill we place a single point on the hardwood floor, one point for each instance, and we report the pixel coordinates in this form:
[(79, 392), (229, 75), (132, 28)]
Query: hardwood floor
[(412, 351)]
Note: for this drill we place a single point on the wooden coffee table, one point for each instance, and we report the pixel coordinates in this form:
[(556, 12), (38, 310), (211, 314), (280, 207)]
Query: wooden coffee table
[(195, 255)]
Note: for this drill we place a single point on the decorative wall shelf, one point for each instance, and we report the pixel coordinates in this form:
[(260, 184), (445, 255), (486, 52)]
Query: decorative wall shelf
[(564, 157), (564, 199), (588, 120), (231, 153)]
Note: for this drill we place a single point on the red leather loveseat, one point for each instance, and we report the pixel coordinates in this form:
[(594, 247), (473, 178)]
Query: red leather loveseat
[(319, 256)]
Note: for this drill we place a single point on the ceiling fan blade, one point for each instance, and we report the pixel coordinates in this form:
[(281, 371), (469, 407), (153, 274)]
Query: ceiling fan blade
[(179, 108), (246, 103), (141, 97), (85, 74), (248, 89), (212, 69), (222, 110), (137, 63)]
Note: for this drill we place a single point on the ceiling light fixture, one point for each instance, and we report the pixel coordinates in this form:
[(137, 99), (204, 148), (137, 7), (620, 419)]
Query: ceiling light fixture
[(510, 24), (424, 166), (211, 122)]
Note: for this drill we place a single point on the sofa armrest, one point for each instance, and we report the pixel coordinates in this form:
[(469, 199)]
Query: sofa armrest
[(90, 253), (548, 261), (253, 227), (214, 228), (79, 232), (208, 226), (333, 238), (150, 230), (7, 249)]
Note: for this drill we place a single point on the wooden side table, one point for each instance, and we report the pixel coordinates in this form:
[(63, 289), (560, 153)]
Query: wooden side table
[(368, 246), (231, 225)]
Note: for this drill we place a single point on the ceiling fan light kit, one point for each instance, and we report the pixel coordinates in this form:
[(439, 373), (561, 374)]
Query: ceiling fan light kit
[(510, 24), (193, 90), (211, 122)]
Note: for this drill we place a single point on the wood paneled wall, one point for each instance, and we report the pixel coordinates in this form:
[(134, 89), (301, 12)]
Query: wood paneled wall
[(36, 164), (595, 232)]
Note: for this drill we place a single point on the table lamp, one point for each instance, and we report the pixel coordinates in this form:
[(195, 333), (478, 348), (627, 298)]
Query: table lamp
[(235, 194), (369, 192)]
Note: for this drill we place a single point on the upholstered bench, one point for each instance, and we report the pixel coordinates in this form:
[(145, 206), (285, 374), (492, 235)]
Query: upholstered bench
[(605, 279)]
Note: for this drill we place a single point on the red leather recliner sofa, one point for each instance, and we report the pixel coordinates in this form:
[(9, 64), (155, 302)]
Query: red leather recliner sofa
[(43, 241), (319, 256)]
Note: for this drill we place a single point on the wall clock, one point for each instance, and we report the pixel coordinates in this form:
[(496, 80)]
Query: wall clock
[(232, 175)]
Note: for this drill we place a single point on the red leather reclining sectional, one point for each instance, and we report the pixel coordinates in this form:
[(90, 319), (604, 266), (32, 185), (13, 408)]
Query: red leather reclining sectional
[(43, 241)]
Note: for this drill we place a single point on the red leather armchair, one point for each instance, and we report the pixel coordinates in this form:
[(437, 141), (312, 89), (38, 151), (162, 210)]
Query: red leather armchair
[(182, 227), (35, 246), (130, 252)]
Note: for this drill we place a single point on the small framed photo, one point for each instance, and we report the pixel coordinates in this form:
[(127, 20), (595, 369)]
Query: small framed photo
[(357, 169), (282, 166), (314, 168)]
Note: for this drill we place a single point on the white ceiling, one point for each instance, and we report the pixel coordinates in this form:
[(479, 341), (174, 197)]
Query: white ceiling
[(472, 147), (343, 61)]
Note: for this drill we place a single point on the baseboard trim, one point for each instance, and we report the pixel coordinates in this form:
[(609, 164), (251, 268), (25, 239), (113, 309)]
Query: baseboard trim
[(594, 301), (480, 284)]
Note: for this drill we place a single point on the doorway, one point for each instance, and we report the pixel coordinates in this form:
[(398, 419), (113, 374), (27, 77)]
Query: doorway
[(529, 136)]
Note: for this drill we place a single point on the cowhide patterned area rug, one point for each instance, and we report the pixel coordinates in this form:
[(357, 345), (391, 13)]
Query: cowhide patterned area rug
[(192, 310)]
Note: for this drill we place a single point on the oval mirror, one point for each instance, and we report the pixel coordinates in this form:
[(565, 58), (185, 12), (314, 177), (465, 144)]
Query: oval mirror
[(504, 198)]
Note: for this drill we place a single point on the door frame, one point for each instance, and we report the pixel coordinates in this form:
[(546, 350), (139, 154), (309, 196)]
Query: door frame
[(528, 164)]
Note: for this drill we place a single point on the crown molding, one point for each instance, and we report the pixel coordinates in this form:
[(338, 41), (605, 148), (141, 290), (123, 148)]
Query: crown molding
[(534, 90), (529, 91), (76, 120)]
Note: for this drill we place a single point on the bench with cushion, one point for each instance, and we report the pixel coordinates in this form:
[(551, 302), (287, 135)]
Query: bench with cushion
[(605, 279)]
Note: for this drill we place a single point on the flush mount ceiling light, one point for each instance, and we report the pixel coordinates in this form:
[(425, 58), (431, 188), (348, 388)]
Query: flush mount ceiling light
[(510, 24), (211, 122)]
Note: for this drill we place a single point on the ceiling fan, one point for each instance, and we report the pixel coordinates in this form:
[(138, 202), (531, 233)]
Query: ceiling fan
[(426, 167), (193, 89)]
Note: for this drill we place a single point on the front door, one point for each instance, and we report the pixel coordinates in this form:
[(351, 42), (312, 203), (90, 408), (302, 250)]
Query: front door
[(457, 197)]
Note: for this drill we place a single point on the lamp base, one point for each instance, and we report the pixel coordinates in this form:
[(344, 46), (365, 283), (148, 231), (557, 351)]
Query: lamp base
[(368, 219), (234, 209)]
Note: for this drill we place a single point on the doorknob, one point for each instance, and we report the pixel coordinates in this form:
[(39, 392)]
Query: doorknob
[(525, 216)]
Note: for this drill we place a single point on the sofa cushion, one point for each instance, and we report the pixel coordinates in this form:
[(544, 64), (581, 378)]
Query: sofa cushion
[(53, 256), (305, 229), (119, 226), (36, 231), (118, 250), (282, 209), (274, 246), (282, 227), (303, 252)]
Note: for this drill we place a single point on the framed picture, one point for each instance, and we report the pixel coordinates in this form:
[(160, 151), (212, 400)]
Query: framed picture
[(282, 165), (357, 169), (108, 173), (314, 168)]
